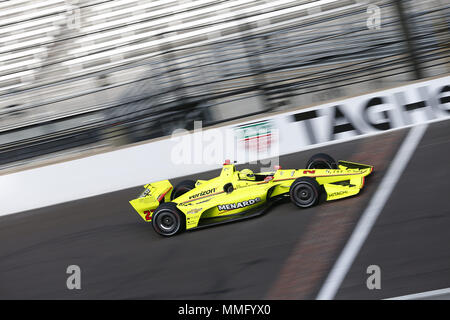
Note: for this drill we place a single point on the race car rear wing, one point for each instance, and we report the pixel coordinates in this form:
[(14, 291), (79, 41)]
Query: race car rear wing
[(158, 190), (353, 165), (153, 194)]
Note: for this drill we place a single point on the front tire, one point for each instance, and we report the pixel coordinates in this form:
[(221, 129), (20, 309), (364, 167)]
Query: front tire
[(167, 220), (305, 192)]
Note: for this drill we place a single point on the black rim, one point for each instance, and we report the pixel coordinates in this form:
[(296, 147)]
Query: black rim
[(305, 194), (167, 222)]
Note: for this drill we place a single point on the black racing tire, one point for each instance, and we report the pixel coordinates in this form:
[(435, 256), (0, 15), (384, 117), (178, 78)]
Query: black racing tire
[(181, 188), (321, 161), (167, 220), (305, 192)]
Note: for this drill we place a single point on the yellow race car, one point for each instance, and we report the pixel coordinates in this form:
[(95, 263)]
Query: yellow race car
[(235, 195)]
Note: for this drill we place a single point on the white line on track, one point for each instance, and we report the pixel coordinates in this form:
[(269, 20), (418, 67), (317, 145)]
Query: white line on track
[(370, 215), (424, 295)]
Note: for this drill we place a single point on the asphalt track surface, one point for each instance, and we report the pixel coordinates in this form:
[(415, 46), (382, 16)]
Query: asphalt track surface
[(411, 239), (284, 254)]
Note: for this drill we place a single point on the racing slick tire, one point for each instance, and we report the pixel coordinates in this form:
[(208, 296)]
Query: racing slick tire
[(305, 192), (181, 188), (167, 220), (321, 161)]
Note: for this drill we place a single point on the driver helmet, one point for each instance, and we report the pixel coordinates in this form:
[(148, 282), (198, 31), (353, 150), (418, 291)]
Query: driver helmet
[(247, 174)]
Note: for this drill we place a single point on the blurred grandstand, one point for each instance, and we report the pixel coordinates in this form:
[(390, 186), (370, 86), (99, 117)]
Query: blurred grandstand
[(77, 75)]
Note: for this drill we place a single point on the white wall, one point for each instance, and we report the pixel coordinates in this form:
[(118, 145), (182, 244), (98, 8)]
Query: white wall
[(169, 158)]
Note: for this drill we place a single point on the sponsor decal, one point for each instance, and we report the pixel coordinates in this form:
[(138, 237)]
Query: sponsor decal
[(255, 136), (336, 171), (145, 193), (383, 111), (192, 211), (203, 193), (309, 171), (185, 204), (203, 201), (238, 205), (338, 193)]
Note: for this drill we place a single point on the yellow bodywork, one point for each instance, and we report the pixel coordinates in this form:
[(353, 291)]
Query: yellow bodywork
[(211, 199), (149, 200)]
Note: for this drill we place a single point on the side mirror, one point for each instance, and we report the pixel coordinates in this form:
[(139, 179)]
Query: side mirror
[(228, 188)]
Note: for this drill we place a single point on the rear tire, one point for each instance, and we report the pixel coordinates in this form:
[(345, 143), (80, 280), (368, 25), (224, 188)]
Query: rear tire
[(321, 161), (167, 220), (305, 192), (181, 188)]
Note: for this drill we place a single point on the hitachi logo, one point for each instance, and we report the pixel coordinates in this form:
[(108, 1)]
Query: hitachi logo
[(337, 193), (202, 193), (238, 205)]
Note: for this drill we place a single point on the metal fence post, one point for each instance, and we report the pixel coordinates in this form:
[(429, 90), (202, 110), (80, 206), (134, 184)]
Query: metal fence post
[(410, 45)]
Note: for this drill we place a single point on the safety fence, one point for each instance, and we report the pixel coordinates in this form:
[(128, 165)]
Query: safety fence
[(264, 60)]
